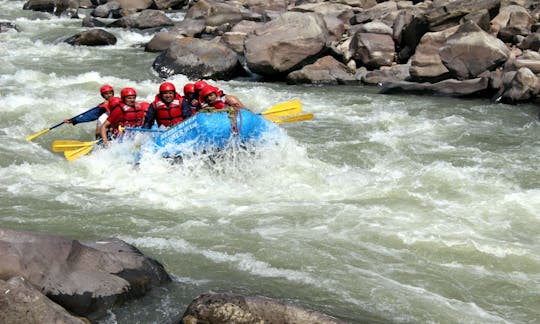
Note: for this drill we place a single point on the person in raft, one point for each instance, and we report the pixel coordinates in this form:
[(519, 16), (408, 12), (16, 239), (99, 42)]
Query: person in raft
[(191, 97), (99, 112), (125, 112), (214, 97), (168, 108)]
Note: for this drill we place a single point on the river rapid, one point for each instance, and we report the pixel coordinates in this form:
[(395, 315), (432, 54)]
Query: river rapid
[(382, 209)]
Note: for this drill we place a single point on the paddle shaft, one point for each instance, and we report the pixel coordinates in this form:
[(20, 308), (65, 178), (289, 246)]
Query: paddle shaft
[(31, 137)]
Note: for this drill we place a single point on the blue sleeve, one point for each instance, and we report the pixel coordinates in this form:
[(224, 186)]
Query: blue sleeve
[(90, 115), (149, 117), (186, 109)]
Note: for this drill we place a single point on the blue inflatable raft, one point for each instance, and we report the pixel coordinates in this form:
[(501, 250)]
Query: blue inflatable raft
[(212, 130)]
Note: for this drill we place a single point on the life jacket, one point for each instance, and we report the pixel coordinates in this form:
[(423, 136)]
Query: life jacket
[(133, 116), (105, 105), (168, 115)]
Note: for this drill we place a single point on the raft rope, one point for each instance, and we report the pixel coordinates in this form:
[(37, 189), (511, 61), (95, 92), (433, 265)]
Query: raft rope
[(232, 113)]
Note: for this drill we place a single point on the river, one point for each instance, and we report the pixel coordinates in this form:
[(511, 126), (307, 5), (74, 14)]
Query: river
[(382, 209)]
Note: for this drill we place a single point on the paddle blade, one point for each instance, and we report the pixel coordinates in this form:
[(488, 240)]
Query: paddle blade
[(75, 154), (69, 145), (294, 119), (31, 137), (291, 107)]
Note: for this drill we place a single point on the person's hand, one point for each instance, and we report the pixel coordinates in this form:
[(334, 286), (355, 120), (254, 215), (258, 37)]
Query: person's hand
[(68, 121)]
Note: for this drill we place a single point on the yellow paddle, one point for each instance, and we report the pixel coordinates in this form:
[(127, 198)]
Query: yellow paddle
[(31, 137), (292, 107), (72, 155), (293, 119), (69, 145)]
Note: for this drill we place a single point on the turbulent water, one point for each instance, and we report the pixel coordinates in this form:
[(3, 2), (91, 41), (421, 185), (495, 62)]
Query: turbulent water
[(391, 209)]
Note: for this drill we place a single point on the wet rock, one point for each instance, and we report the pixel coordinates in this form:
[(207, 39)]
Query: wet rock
[(20, 302), (7, 26), (87, 278), (106, 10), (399, 72), (170, 4), (39, 5), (523, 86), (198, 59), (93, 37), (450, 87), (214, 308)]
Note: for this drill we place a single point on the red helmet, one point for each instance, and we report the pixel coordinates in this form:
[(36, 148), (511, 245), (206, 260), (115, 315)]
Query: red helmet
[(167, 86), (114, 101), (199, 85), (105, 88), (189, 88), (208, 90), (128, 92)]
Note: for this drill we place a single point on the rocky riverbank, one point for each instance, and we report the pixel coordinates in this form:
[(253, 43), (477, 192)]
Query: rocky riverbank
[(52, 279), (485, 48)]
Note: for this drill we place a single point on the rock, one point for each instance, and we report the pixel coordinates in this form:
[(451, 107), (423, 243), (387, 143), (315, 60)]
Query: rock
[(426, 64), (447, 13), (373, 49), (512, 16), (39, 5), (88, 278), (91, 22), (532, 42), (93, 37), (524, 86), (198, 59), (399, 72), (385, 12), (22, 303), (7, 26), (450, 87), (470, 51), (135, 4), (286, 43), (106, 10), (144, 20), (326, 70), (529, 60), (216, 308), (170, 4), (160, 42)]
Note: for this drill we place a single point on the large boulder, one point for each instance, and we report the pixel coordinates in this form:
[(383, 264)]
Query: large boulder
[(214, 308), (523, 86), (450, 87), (198, 59), (373, 46), (88, 278), (285, 44), (93, 37), (326, 70), (471, 51), (426, 64)]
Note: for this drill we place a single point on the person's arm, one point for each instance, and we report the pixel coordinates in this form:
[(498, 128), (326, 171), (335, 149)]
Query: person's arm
[(103, 131), (233, 101), (149, 117), (88, 116), (186, 109)]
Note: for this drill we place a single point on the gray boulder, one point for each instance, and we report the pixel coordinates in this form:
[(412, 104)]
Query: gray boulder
[(93, 37), (326, 70), (198, 59), (85, 278), (144, 20), (471, 51), (286, 43)]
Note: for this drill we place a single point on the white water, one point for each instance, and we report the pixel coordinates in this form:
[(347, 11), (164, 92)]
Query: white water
[(401, 209)]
